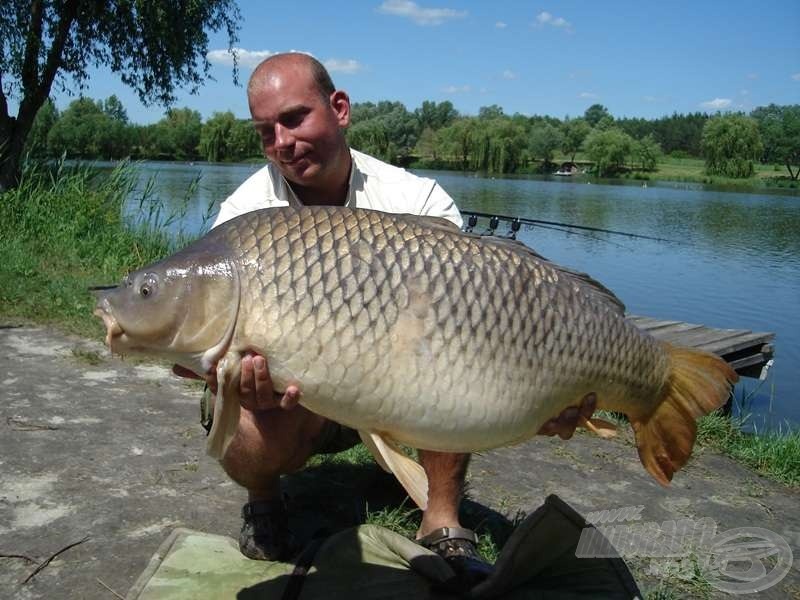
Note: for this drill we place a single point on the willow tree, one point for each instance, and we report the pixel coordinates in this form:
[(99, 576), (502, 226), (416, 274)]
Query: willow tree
[(154, 47)]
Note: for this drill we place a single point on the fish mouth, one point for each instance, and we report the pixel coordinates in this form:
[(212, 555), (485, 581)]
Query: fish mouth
[(114, 331)]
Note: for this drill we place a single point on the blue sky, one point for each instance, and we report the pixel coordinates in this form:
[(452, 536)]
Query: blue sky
[(642, 59)]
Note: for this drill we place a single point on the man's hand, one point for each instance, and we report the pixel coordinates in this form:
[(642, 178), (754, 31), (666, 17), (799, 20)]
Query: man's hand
[(255, 385), (564, 424)]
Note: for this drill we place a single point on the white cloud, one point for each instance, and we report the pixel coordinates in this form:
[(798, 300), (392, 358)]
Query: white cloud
[(456, 89), (418, 14), (348, 65), (250, 59), (545, 18), (796, 76), (247, 58), (509, 74), (752, 76), (717, 103), (501, 25), (588, 95)]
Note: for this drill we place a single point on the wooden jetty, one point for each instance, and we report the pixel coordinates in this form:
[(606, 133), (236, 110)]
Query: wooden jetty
[(748, 352)]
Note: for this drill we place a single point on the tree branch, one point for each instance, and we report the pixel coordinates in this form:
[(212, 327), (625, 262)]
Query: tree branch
[(32, 46), (56, 51)]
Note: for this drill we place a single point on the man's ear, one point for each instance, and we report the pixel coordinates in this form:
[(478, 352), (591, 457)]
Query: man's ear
[(340, 104)]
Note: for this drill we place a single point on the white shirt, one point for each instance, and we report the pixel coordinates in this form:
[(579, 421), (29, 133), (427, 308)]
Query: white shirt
[(373, 184)]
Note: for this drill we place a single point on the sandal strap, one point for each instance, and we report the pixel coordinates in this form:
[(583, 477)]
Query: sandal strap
[(443, 534)]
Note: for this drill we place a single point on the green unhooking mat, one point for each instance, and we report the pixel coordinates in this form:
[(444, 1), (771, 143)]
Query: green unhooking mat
[(370, 562)]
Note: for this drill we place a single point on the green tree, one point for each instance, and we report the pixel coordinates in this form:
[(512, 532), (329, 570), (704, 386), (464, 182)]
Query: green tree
[(575, 132), (646, 152), (779, 127), (80, 131), (244, 141), (595, 113), (435, 116), (457, 140), (731, 144), (155, 47), (215, 136), (544, 141), (44, 122), (114, 109), (608, 149), (490, 112)]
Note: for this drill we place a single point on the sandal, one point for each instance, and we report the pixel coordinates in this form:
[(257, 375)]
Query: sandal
[(265, 532), (458, 546)]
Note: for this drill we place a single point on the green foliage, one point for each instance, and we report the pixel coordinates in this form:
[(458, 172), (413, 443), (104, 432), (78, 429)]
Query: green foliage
[(155, 47), (435, 116), (544, 140), (85, 130), (386, 130), (646, 152), (731, 143), (575, 133), (608, 149), (779, 127), (498, 146), (177, 135), (215, 135), (595, 113), (61, 231), (36, 144)]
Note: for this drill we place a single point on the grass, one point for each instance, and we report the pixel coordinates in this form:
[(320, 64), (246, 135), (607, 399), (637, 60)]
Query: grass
[(62, 230), (773, 454)]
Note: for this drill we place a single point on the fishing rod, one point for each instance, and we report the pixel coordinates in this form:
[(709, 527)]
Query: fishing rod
[(517, 222)]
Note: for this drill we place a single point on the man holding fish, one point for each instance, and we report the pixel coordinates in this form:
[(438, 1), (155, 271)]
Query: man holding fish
[(301, 118)]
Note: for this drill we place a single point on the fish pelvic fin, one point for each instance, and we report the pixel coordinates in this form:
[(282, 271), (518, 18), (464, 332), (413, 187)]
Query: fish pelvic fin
[(393, 460), (226, 407), (698, 383), (599, 427)]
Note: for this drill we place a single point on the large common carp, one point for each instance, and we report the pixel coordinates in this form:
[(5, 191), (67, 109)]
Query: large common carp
[(411, 332)]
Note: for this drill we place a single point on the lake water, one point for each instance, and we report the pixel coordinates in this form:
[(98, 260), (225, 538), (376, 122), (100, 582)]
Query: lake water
[(733, 259)]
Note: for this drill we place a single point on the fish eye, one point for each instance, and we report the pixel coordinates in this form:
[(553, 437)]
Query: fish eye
[(148, 286)]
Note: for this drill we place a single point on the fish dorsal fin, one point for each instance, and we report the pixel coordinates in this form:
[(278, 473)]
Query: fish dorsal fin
[(588, 283), (392, 459)]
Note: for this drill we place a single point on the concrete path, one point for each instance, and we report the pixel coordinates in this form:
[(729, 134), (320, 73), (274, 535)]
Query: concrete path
[(94, 446)]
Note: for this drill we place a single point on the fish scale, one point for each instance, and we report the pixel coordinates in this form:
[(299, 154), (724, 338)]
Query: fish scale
[(406, 328)]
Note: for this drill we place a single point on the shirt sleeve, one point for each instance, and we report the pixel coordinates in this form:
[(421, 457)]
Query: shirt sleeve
[(440, 204)]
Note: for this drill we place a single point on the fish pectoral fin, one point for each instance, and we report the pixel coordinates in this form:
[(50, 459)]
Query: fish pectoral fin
[(393, 460), (226, 407), (366, 437), (600, 427)]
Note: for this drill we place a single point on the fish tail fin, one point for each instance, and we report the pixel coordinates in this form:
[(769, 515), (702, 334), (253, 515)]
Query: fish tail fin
[(698, 383)]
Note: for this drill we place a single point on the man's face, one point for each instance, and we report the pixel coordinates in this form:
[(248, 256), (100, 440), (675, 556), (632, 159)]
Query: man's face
[(300, 130)]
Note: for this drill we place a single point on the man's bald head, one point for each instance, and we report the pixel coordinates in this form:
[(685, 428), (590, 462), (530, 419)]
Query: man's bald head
[(293, 61)]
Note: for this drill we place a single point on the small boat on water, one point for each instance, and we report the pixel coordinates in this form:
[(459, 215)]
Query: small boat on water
[(567, 169)]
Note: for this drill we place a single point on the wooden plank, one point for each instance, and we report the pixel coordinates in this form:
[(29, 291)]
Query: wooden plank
[(726, 346), (674, 334), (652, 325), (705, 336), (748, 361)]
